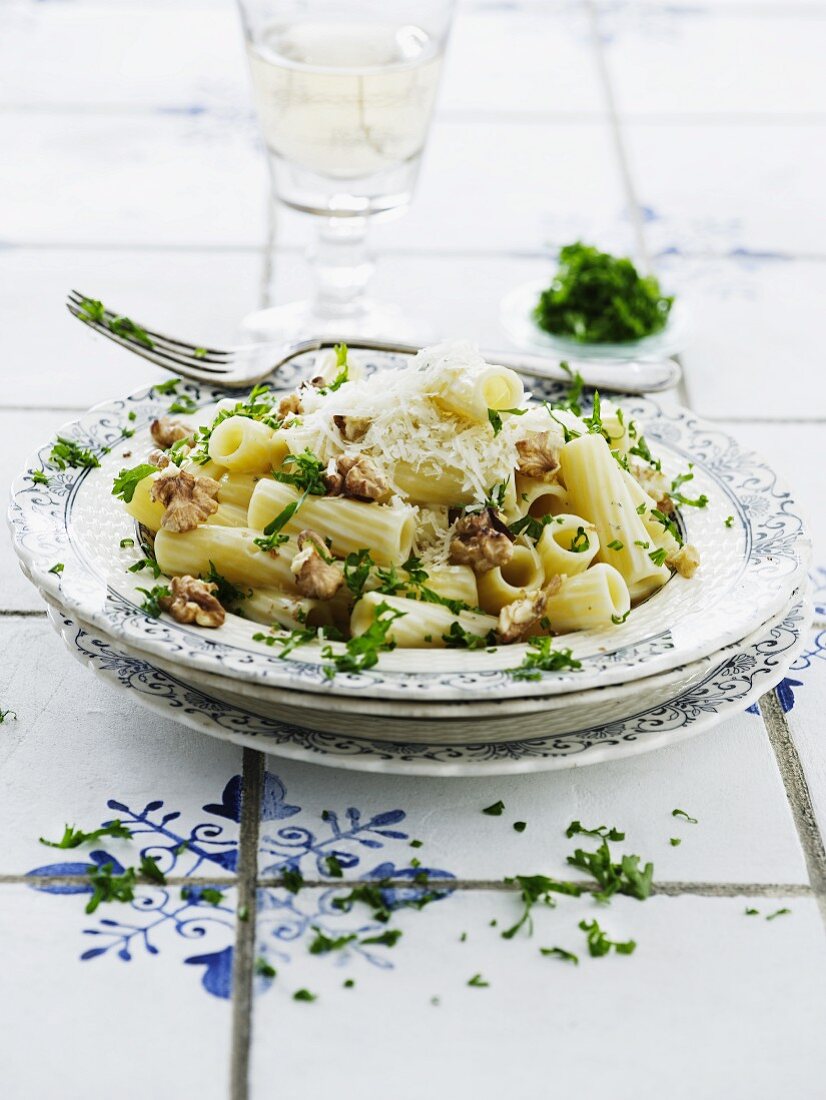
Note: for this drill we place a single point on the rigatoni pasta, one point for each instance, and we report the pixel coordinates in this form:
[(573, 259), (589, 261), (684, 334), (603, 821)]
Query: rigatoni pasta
[(435, 506)]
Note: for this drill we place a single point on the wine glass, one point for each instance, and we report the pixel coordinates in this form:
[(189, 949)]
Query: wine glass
[(345, 91)]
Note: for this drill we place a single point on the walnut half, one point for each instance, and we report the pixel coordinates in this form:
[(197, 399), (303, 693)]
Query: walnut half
[(167, 431), (188, 500), (192, 601), (314, 577), (686, 561), (518, 620), (352, 428), (482, 541), (538, 456), (356, 476)]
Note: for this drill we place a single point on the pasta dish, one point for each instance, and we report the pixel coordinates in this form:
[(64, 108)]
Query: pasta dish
[(431, 505)]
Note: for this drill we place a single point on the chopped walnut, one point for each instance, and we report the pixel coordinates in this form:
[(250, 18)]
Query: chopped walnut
[(355, 476), (654, 481), (159, 458), (686, 561), (666, 505), (518, 620), (167, 431), (289, 405), (352, 428), (188, 500), (482, 541), (538, 456), (192, 601), (314, 577)]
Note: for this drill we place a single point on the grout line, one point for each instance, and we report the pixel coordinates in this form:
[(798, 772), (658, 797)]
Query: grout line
[(666, 889), (31, 614), (244, 954), (798, 794), (614, 125)]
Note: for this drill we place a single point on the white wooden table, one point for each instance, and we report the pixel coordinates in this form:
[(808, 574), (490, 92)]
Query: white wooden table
[(131, 170)]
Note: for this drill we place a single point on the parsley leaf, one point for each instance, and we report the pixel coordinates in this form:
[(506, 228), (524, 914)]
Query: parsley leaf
[(478, 982), (39, 477), (308, 475), (57, 568), (389, 938), (602, 831), (264, 969), (496, 809), (684, 816), (304, 995), (362, 651), (73, 838), (323, 944), (184, 404), (625, 877), (272, 537), (778, 913), (153, 596), (150, 869), (292, 879), (127, 481), (226, 592), (542, 657), (560, 953), (535, 888), (599, 944), (65, 452), (109, 887)]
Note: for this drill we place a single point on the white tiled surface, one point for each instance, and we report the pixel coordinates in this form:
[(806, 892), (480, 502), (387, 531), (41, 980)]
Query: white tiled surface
[(135, 174)]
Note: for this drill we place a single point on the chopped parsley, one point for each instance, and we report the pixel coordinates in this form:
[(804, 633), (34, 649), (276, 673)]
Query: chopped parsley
[(388, 938), (149, 869), (145, 563), (264, 969), (531, 526), (210, 894), (641, 450), (560, 953), (272, 537), (92, 311), (535, 888), (163, 389), (599, 944), (4, 714), (200, 353), (57, 568), (126, 327), (752, 912), (675, 841), (576, 828), (292, 879), (73, 838), (570, 402), (496, 809), (225, 592), (109, 887), (778, 913), (65, 452), (685, 817), (598, 298), (478, 982), (357, 567), (124, 543), (362, 651), (348, 983), (39, 477), (308, 474), (615, 544), (580, 542), (678, 498), (459, 638), (520, 826), (658, 556), (728, 521), (323, 944), (343, 374), (668, 523), (416, 843), (625, 877), (152, 597), (127, 481), (304, 995), (618, 620), (334, 868), (495, 418), (542, 657), (184, 404)]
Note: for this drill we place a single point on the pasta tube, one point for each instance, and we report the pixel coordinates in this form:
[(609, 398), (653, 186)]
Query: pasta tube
[(658, 536), (150, 512), (472, 393), (423, 625), (454, 582), (350, 524), (503, 585), (236, 488), (271, 605), (540, 498), (444, 486), (567, 546), (245, 445), (231, 550), (597, 490), (595, 598)]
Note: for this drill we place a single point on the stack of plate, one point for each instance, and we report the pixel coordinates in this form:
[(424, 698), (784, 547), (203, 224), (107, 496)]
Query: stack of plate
[(690, 655)]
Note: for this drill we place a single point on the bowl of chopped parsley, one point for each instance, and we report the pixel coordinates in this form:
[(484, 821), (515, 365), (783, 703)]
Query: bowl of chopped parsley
[(596, 305)]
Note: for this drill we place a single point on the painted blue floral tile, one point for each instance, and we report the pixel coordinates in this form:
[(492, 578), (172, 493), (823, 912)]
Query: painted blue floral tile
[(807, 665)]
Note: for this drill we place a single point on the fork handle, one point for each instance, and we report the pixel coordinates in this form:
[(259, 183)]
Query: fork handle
[(632, 376)]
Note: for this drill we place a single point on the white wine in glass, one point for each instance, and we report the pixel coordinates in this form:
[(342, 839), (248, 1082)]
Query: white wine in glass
[(345, 92)]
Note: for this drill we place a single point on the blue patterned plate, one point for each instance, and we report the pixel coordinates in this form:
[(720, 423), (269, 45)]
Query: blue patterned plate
[(727, 689), (749, 569)]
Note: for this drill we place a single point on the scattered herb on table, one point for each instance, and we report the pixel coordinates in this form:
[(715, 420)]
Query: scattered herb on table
[(348, 983), (4, 714), (304, 995), (264, 969), (576, 828), (389, 938), (73, 838), (520, 826), (109, 887), (778, 913), (416, 843), (324, 944), (210, 894), (495, 809), (243, 912), (599, 944), (625, 877), (675, 841), (533, 889), (478, 982), (292, 879), (149, 869), (685, 817), (560, 953), (752, 912), (334, 868)]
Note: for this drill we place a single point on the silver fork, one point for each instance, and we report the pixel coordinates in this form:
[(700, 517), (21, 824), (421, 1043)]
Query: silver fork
[(242, 366)]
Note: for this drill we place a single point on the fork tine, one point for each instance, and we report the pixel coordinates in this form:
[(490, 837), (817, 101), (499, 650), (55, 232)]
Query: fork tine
[(183, 351), (209, 375)]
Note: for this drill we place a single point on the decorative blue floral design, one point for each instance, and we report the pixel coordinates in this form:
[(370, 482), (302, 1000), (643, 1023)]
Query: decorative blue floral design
[(283, 918), (785, 690)]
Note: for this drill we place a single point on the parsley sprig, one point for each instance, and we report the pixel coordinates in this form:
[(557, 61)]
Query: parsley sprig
[(542, 657), (73, 838)]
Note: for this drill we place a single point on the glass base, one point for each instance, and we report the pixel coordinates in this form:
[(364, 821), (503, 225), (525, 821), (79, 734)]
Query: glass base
[(302, 320)]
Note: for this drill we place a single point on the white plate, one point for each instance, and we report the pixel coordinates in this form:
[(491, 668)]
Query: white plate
[(747, 573), (728, 688), (518, 323), (451, 723)]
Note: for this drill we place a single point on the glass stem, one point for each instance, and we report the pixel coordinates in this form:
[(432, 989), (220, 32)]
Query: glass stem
[(341, 266)]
